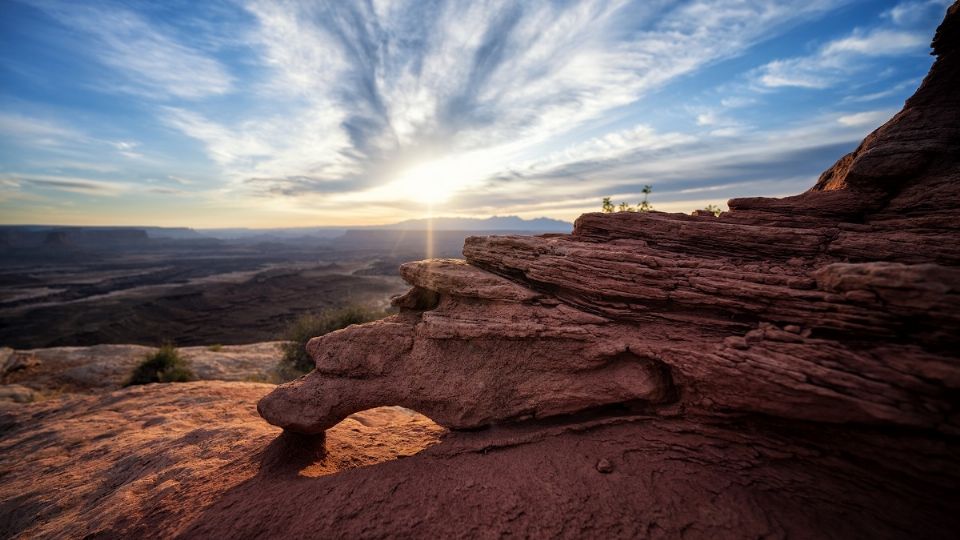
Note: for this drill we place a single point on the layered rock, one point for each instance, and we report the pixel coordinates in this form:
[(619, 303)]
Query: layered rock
[(838, 305), (824, 324)]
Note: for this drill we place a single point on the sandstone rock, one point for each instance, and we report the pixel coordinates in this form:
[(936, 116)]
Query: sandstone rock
[(193, 460), (824, 324), (152, 460), (838, 305)]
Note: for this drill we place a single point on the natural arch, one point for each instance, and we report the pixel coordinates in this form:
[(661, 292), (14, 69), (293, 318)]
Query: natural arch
[(370, 437)]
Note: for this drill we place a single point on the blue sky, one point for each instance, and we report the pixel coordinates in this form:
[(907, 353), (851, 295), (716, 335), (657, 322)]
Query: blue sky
[(270, 114)]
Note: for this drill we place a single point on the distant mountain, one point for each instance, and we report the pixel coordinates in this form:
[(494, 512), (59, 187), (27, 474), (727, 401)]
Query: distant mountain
[(495, 223)]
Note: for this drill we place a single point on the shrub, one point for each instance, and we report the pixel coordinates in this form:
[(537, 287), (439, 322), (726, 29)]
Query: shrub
[(216, 347), (165, 365), (713, 209), (607, 206), (295, 361)]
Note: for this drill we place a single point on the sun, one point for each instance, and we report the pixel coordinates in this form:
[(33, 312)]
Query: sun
[(434, 181)]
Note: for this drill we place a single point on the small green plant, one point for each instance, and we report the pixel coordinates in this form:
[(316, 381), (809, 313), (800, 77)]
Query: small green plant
[(165, 365), (216, 347), (644, 205), (713, 209), (607, 206), (295, 361)]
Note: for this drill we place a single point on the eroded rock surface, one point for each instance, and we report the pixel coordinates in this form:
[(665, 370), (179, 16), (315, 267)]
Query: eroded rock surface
[(831, 312), (152, 460), (193, 460), (838, 305)]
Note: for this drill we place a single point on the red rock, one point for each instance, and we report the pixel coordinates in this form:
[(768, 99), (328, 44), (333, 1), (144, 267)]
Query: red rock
[(833, 311)]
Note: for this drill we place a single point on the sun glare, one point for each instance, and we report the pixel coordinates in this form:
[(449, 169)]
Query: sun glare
[(433, 181)]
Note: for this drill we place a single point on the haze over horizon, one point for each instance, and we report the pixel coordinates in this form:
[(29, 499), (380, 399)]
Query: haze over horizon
[(268, 114)]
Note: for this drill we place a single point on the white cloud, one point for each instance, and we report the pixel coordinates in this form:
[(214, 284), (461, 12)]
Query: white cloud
[(85, 186), (751, 164), (37, 130), (708, 118), (866, 118), (364, 92), (839, 59), (167, 191), (717, 123), (912, 12), (56, 138), (736, 102), (151, 59), (881, 42), (608, 147), (897, 89)]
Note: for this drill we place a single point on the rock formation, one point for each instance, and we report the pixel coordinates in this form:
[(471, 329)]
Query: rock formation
[(838, 305), (782, 332)]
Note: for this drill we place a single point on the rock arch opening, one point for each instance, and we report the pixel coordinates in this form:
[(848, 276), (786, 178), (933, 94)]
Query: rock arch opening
[(371, 437)]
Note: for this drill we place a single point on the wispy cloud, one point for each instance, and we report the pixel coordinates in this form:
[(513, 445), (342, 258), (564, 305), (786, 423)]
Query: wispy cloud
[(897, 89), (150, 60), (180, 180), (38, 130), (167, 191), (866, 118), (58, 138), (914, 11), (836, 60), (85, 186), (898, 33), (368, 91)]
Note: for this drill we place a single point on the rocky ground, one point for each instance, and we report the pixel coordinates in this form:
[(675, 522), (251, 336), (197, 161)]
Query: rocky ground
[(156, 460), (35, 374)]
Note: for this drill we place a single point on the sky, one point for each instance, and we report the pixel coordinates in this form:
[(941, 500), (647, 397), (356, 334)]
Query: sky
[(281, 114)]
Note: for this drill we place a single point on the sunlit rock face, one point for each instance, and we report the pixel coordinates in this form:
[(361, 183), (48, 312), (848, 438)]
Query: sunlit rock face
[(820, 330)]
